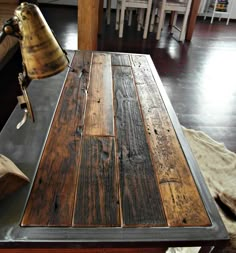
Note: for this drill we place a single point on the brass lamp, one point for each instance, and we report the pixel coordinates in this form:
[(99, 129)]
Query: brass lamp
[(42, 55)]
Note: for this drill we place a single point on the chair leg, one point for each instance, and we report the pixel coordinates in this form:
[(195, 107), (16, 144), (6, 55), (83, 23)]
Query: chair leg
[(213, 14), (152, 21), (174, 21), (122, 17), (227, 22), (140, 19), (130, 17), (161, 22), (183, 30), (117, 17), (108, 12), (147, 19)]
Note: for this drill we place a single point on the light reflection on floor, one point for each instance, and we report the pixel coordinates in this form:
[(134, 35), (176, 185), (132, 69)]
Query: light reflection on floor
[(218, 86)]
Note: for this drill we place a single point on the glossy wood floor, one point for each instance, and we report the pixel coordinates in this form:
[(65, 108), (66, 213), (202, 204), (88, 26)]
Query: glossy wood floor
[(199, 76)]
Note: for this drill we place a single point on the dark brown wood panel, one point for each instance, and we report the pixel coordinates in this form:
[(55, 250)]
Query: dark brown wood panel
[(140, 198), (97, 196), (182, 202), (51, 201), (99, 120)]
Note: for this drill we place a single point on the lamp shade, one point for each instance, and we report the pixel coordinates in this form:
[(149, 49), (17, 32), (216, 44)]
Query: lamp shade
[(41, 53)]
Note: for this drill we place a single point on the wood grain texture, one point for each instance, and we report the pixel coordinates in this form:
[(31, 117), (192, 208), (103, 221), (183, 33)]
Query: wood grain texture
[(120, 59), (140, 199), (133, 175), (181, 200), (99, 113), (97, 195), (51, 201), (88, 12)]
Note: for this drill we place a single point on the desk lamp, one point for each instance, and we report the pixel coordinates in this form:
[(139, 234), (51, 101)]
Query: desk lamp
[(42, 57)]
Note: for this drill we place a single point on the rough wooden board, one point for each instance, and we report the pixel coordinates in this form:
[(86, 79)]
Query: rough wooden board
[(140, 198), (99, 120), (51, 201), (142, 72), (97, 195), (181, 200), (120, 60)]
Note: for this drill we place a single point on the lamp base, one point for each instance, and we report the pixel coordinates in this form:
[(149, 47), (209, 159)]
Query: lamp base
[(11, 178)]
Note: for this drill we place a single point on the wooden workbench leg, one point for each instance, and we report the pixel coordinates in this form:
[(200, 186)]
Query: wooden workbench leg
[(192, 19), (88, 16)]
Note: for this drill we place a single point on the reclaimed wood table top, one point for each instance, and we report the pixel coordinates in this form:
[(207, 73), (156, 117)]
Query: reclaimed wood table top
[(114, 165)]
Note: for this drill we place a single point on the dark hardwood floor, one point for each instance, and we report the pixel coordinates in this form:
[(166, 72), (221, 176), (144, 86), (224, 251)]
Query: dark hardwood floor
[(199, 76)]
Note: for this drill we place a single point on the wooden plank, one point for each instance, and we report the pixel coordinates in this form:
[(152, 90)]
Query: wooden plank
[(141, 204), (52, 197), (120, 59), (88, 13), (182, 202), (142, 73), (99, 119), (97, 195)]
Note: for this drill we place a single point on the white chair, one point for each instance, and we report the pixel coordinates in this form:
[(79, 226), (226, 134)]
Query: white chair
[(221, 13), (176, 6), (141, 5)]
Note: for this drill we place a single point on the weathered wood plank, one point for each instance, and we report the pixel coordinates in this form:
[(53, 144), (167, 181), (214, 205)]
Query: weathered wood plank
[(97, 195), (181, 200), (142, 73), (99, 120), (120, 60), (140, 198), (51, 201)]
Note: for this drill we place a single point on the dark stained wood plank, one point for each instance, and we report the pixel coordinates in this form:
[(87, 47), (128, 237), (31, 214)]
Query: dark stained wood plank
[(99, 120), (97, 195), (51, 201), (140, 198), (181, 200), (120, 59)]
